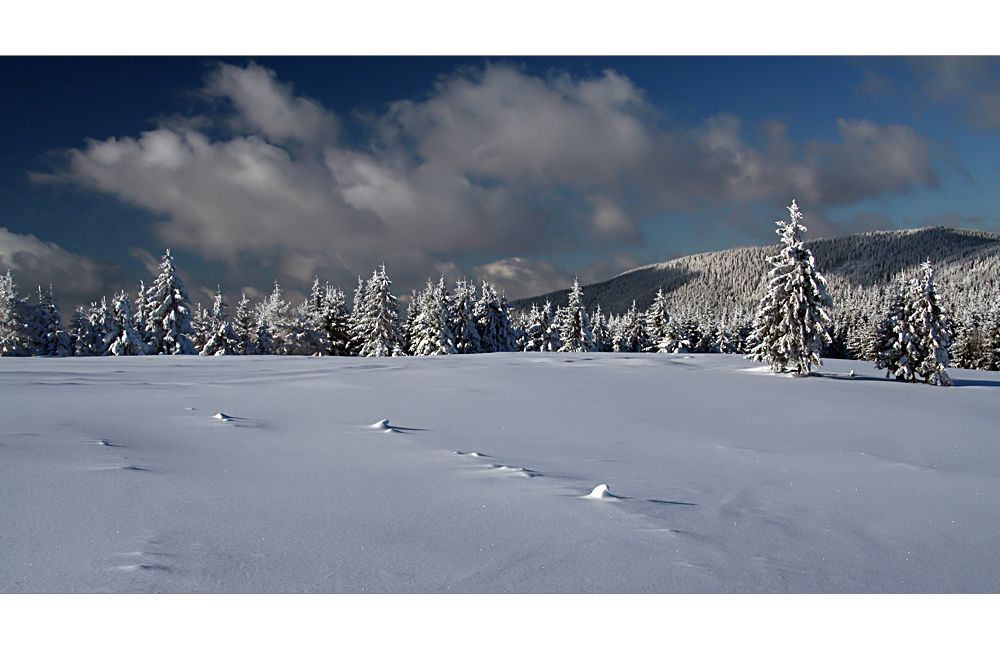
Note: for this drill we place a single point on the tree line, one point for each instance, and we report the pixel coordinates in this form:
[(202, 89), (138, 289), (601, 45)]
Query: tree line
[(912, 336)]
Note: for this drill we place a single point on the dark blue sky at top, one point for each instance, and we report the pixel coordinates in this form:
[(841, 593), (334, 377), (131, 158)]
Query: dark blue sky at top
[(52, 104)]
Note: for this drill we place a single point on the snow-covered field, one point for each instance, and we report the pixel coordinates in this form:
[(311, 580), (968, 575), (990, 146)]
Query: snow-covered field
[(120, 475)]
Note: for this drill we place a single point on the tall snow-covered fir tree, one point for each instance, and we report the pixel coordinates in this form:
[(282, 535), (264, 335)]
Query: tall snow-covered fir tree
[(540, 332), (378, 332), (931, 331), (602, 335), (169, 312), (45, 331), (431, 333), (220, 337), (273, 313), (89, 329), (305, 334), (493, 322), (122, 338), (334, 321), (463, 318), (657, 320), (13, 331), (630, 335), (793, 318), (574, 324), (244, 326)]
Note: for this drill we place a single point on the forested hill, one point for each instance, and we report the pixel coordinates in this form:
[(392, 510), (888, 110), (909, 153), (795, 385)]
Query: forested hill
[(728, 284)]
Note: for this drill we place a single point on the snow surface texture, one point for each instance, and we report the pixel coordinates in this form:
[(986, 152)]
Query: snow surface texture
[(265, 474)]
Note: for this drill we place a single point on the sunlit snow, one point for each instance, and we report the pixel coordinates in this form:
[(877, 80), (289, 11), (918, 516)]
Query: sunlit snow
[(266, 474)]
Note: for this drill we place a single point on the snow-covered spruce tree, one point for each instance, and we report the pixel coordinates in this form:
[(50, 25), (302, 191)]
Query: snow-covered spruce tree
[(378, 332), (45, 331), (575, 329), (631, 336), (89, 327), (431, 334), (894, 349), (305, 334), (244, 327), (657, 319), (677, 338), (13, 329), (602, 334), (200, 323), (169, 312), (263, 343), (220, 337), (540, 334), (931, 330), (273, 312), (141, 311), (792, 320), (354, 319), (493, 322), (463, 319), (335, 322), (122, 338)]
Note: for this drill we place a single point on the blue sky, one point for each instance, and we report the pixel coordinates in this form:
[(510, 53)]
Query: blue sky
[(522, 170)]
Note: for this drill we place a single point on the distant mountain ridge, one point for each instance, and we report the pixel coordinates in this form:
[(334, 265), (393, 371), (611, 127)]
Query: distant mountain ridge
[(728, 284)]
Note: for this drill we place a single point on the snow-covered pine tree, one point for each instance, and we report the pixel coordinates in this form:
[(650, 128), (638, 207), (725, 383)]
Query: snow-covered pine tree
[(334, 322), (575, 329), (13, 329), (931, 330), (141, 311), (244, 327), (169, 312), (273, 311), (632, 334), (354, 318), (894, 349), (792, 320), (378, 332), (122, 338), (531, 339), (409, 326), (305, 333), (463, 323), (493, 322), (541, 334), (602, 334), (88, 329), (657, 319), (201, 323), (677, 338), (431, 334), (45, 331), (220, 338)]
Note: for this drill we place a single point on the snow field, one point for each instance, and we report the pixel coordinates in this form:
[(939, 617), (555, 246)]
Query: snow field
[(266, 475)]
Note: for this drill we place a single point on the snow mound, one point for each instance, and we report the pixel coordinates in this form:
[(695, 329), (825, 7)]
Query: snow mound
[(223, 417), (383, 425), (600, 492)]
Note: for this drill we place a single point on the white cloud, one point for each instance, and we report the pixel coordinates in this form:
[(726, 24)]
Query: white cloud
[(495, 162), (268, 107)]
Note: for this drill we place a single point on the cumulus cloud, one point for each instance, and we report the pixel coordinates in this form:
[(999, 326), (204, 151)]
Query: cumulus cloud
[(35, 263), (493, 163)]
